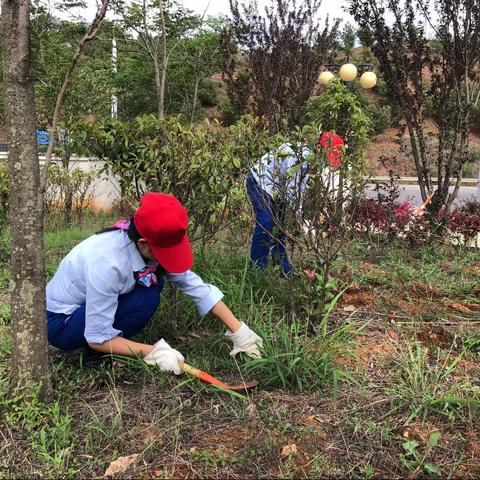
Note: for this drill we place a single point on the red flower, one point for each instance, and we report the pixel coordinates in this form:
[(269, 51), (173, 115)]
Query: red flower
[(309, 273), (333, 145)]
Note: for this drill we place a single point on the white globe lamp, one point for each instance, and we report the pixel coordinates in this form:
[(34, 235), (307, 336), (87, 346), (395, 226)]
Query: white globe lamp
[(325, 77), (368, 80), (348, 72)]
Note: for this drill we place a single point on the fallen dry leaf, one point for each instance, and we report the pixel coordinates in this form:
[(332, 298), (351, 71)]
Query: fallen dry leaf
[(392, 334), (459, 307), (193, 335), (349, 308), (252, 410), (474, 270), (367, 266), (290, 449), (120, 465)]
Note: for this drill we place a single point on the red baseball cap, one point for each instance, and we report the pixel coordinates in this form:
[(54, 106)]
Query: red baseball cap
[(333, 145), (162, 221)]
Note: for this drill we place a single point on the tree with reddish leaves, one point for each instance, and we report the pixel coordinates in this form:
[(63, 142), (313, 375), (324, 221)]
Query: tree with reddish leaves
[(281, 55), (437, 79)]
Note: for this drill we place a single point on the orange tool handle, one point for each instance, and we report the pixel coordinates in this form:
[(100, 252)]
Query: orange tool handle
[(427, 201), (201, 375)]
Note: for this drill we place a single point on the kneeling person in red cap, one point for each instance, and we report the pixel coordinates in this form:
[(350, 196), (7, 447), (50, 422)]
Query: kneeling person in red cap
[(108, 287)]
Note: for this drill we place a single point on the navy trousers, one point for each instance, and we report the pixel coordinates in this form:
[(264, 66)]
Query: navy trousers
[(264, 242), (135, 309)]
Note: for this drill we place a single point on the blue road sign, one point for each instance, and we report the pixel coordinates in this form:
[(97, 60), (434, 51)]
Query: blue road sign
[(43, 137)]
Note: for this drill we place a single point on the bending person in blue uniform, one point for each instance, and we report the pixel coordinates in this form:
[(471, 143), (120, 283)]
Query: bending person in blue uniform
[(278, 179), (270, 186), (108, 287)]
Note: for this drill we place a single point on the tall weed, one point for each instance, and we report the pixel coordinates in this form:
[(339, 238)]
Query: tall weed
[(422, 386)]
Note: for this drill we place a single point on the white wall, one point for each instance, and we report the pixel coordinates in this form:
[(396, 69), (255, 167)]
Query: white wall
[(106, 190)]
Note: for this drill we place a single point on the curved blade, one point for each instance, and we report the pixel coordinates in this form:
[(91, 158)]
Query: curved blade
[(244, 386)]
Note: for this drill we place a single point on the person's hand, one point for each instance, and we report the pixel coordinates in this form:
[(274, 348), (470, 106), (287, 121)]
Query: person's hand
[(245, 340), (165, 357), (418, 211)]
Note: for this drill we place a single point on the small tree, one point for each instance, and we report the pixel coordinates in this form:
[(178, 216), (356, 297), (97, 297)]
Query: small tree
[(160, 26), (441, 79), (348, 36), (283, 50), (202, 166), (338, 110), (200, 57)]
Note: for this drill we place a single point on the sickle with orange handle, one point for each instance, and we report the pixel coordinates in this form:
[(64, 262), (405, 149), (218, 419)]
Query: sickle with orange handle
[(207, 378)]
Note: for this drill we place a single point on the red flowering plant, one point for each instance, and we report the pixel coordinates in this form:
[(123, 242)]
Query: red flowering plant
[(465, 221), (388, 220)]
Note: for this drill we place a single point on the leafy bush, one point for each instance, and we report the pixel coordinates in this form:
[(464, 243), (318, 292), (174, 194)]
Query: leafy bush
[(376, 217), (203, 166), (380, 116), (465, 220), (207, 94), (380, 112), (470, 169), (339, 110)]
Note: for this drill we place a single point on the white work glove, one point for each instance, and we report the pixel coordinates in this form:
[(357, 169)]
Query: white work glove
[(165, 357), (245, 340)]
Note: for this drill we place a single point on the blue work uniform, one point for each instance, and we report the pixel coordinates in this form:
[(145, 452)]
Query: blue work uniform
[(94, 296), (271, 185)]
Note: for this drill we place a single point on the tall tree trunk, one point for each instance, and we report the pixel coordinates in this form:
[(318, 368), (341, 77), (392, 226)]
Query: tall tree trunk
[(29, 339), (194, 101), (159, 85), (68, 207), (163, 80)]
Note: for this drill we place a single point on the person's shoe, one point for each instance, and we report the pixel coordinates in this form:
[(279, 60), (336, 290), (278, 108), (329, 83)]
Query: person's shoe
[(92, 359)]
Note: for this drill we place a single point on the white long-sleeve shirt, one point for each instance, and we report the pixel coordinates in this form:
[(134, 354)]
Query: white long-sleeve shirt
[(98, 270), (273, 173)]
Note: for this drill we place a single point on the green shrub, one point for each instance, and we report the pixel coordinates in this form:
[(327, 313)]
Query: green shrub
[(339, 110), (207, 94), (202, 166), (68, 191), (380, 116)]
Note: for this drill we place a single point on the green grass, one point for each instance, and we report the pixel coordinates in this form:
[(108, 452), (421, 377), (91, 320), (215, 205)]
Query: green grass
[(424, 384), (346, 418)]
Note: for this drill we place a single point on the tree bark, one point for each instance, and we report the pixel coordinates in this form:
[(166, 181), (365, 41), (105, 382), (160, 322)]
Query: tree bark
[(29, 364), (159, 86), (194, 101), (163, 80)]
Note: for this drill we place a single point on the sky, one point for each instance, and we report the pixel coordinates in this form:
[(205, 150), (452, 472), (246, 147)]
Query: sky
[(217, 7)]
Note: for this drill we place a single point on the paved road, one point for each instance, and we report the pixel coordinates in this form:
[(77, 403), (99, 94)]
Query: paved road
[(412, 193)]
